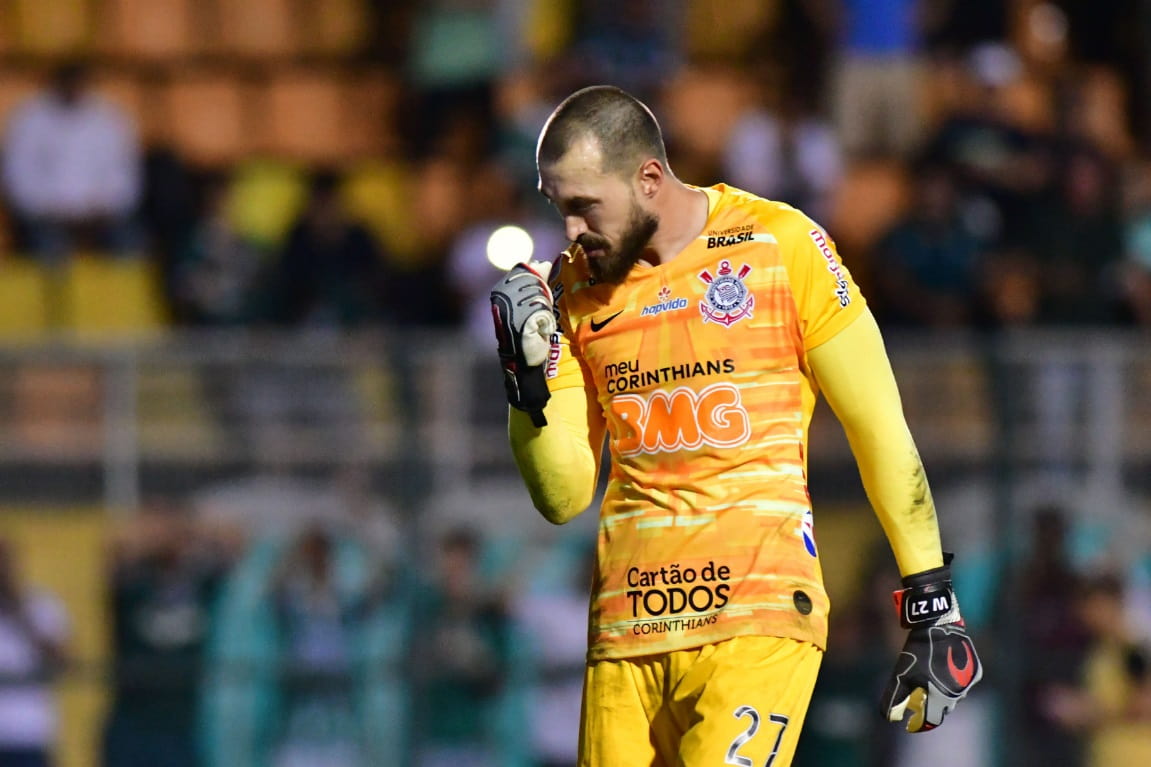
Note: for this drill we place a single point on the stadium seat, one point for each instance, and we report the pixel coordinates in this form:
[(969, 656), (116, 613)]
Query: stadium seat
[(369, 108), (258, 28), (264, 198), (23, 300), (303, 115), (379, 193), (59, 27), (129, 92), (150, 29), (203, 115), (112, 298)]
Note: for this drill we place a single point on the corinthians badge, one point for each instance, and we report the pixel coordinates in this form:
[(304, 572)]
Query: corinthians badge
[(727, 299)]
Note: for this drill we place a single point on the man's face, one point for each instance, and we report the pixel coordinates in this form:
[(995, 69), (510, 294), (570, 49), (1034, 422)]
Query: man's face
[(600, 210)]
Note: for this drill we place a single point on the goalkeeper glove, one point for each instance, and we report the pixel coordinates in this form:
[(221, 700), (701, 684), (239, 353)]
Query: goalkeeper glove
[(938, 664), (525, 322)]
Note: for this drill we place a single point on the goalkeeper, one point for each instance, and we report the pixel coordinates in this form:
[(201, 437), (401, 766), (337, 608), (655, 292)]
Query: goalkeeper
[(695, 327)]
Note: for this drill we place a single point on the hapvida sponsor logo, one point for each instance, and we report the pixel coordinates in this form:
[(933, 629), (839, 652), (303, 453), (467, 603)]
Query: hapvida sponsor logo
[(665, 303), (673, 305)]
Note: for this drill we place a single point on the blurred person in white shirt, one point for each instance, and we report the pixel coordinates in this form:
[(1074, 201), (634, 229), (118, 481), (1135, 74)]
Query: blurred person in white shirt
[(72, 170), (33, 628)]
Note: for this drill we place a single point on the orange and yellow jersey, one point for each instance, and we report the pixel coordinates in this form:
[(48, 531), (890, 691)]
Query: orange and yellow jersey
[(699, 365)]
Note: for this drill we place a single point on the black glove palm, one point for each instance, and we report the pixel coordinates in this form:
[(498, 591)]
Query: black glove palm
[(938, 664)]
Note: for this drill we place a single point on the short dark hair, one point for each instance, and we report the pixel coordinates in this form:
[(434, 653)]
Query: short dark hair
[(623, 127)]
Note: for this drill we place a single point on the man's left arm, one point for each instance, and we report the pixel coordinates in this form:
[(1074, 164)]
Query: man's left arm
[(854, 373), (938, 664)]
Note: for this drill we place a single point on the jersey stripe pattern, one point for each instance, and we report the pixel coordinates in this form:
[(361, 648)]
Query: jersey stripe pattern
[(699, 365)]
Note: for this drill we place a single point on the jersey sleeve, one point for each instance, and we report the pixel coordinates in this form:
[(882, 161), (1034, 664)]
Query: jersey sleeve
[(827, 298)]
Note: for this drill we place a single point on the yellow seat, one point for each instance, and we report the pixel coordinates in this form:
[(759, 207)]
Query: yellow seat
[(111, 297), (59, 27), (264, 199), (23, 300), (379, 193)]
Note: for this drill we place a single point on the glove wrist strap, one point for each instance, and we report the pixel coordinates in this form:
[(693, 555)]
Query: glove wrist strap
[(927, 598)]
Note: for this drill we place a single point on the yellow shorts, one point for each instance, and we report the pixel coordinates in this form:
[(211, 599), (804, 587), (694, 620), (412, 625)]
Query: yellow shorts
[(739, 702)]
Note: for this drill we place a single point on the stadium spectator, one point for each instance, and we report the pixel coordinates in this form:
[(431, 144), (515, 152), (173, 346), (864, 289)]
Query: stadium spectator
[(929, 264), (780, 148), (878, 70), (632, 43), (72, 169), (306, 660), (33, 634), (1135, 271), (460, 658), (329, 273), (165, 578), (214, 268), (1112, 703), (551, 613), (1075, 237), (1055, 638), (1001, 162), (318, 625)]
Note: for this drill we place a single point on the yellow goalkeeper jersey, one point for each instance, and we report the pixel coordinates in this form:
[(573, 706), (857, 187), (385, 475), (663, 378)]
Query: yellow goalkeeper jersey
[(699, 365)]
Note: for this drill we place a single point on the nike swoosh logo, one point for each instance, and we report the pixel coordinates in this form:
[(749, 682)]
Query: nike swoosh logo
[(961, 675), (598, 326)]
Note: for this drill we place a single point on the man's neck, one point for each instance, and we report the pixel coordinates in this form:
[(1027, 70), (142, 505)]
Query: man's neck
[(682, 218)]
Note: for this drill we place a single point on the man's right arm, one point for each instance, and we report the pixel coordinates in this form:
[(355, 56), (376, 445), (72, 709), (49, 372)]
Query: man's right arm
[(559, 462), (555, 424)]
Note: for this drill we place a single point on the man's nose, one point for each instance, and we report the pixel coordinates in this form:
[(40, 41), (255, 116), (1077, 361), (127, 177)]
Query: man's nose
[(575, 226)]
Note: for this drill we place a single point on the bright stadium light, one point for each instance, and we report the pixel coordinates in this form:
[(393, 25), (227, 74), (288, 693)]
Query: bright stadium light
[(508, 246)]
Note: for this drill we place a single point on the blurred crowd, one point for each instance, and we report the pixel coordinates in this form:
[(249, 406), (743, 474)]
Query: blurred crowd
[(979, 167), (322, 638), (302, 624)]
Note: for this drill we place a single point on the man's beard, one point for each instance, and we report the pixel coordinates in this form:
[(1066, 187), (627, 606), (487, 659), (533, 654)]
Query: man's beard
[(614, 264)]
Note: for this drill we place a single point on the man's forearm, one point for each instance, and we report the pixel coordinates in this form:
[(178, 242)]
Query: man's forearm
[(559, 462), (855, 375)]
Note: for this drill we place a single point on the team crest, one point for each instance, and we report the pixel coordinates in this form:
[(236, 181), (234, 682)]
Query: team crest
[(727, 299)]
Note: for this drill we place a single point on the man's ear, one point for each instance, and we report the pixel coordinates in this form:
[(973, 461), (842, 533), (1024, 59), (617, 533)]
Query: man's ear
[(651, 177)]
